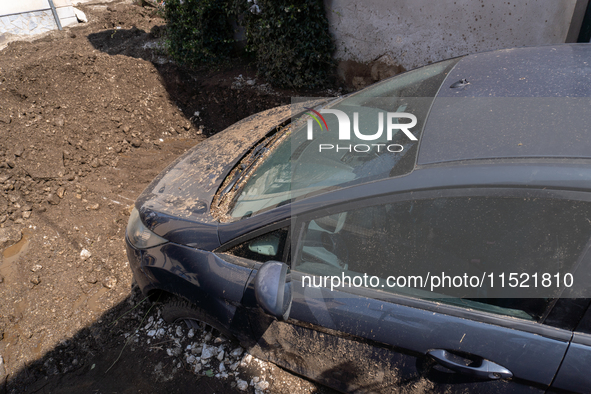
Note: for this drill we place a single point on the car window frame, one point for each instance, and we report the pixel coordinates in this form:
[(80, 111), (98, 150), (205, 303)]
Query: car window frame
[(285, 223), (550, 331)]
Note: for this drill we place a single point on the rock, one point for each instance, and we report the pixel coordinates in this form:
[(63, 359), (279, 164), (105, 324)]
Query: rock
[(236, 352), (207, 352), (109, 282), (261, 385), (221, 356), (61, 191), (151, 333), (53, 199), (191, 359), (191, 333), (179, 331), (241, 384), (9, 236), (1, 280), (198, 367), (35, 279), (26, 214), (246, 360), (92, 207), (196, 350), (222, 367), (36, 267), (85, 254), (136, 143)]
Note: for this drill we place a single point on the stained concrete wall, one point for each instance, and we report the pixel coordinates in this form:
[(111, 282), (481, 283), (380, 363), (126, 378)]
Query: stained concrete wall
[(410, 33), (34, 16)]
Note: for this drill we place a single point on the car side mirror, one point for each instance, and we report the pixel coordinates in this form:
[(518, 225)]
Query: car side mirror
[(272, 289)]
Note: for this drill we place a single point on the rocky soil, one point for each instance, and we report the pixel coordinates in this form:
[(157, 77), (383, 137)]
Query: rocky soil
[(88, 116)]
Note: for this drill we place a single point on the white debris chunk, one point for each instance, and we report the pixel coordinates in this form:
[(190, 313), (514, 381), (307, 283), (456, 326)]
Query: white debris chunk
[(236, 352), (207, 352), (81, 16), (241, 384)]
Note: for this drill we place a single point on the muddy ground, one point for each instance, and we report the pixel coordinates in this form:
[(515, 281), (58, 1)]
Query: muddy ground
[(88, 116)]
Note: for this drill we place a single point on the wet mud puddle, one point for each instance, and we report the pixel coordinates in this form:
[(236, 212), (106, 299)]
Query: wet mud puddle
[(10, 256)]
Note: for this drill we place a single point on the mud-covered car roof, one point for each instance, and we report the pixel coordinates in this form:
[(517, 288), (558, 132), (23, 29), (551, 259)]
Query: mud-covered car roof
[(525, 102)]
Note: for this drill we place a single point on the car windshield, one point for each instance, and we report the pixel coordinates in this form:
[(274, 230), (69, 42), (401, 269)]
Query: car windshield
[(311, 154)]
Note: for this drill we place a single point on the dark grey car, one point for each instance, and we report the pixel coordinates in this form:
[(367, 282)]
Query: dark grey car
[(459, 240)]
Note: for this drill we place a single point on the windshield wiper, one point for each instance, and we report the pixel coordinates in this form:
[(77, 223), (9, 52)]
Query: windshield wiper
[(245, 168), (249, 163)]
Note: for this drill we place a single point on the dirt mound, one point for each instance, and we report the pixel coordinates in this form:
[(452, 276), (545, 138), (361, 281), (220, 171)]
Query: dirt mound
[(89, 116)]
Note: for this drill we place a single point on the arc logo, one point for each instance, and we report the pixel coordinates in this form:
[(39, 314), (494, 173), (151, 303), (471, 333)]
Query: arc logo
[(344, 132)]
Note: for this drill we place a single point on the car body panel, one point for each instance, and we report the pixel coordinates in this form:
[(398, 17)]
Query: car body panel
[(206, 280), (546, 71), (389, 343), (176, 204), (526, 102), (574, 371)]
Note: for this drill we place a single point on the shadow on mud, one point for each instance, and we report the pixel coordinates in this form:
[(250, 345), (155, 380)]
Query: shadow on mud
[(110, 357), (209, 97)]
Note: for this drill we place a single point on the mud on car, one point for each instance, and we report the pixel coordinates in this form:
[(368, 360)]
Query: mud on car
[(249, 230)]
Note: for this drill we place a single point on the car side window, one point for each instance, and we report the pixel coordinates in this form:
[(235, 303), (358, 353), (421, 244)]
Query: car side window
[(475, 235), (269, 246)]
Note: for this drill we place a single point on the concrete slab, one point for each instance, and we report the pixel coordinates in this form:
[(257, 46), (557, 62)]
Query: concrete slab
[(70, 21), (65, 12), (62, 3), (18, 7)]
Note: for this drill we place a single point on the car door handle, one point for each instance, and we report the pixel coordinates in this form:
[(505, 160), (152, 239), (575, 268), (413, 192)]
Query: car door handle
[(485, 370)]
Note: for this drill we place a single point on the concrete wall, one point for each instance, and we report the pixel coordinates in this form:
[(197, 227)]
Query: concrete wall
[(403, 34), (34, 16)]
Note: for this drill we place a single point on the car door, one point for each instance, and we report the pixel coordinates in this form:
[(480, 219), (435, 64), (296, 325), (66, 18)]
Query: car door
[(370, 337), (573, 374)]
